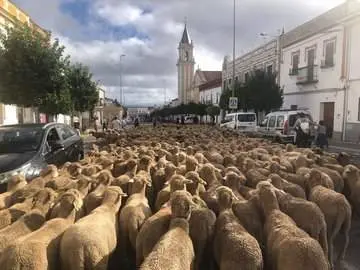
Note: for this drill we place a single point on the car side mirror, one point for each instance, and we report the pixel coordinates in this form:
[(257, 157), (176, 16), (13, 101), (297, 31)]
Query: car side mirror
[(56, 145)]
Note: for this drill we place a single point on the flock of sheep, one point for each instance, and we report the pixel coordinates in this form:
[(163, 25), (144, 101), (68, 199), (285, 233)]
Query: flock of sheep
[(182, 198)]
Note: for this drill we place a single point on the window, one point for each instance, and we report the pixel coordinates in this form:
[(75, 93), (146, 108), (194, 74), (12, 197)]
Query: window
[(269, 69), (66, 132), (246, 76), (295, 63), (264, 122), (329, 47), (272, 121), (280, 121), (246, 117)]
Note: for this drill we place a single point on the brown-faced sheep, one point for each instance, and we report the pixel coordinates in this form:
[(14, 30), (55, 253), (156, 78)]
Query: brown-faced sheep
[(29, 222), (80, 249), (336, 209), (234, 247), (234, 181), (175, 249), (288, 247), (197, 184), (40, 249)]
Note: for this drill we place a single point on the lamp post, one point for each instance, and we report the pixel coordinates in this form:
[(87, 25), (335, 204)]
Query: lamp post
[(234, 44), (121, 92)]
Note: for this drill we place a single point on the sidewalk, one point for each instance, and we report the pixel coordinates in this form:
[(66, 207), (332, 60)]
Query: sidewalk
[(350, 145)]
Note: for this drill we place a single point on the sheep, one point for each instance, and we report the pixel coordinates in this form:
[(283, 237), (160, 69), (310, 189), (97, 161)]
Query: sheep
[(234, 247), (93, 199), (161, 176), (29, 222), (249, 215), (351, 177), (303, 211), (233, 181), (15, 183), (288, 246), (151, 231), (40, 249), (175, 249), (135, 212), (201, 230), (197, 184), (128, 167), (80, 249), (334, 176), (177, 182), (336, 209), (293, 189)]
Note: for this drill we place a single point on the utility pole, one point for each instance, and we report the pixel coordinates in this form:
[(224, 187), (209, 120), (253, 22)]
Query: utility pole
[(121, 92), (234, 45)]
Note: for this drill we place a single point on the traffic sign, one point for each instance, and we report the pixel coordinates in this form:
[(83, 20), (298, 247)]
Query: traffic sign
[(233, 103)]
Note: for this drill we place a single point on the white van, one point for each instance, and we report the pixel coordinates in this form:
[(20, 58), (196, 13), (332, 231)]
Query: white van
[(242, 121)]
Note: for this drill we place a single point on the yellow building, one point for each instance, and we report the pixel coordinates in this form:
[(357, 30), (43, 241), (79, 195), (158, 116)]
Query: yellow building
[(10, 15)]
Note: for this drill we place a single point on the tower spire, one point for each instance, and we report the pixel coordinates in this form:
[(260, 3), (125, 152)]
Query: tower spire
[(185, 37)]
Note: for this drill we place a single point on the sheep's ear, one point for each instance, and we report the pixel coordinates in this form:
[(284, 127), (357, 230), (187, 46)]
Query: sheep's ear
[(148, 183), (77, 203), (187, 181), (202, 181), (131, 180)]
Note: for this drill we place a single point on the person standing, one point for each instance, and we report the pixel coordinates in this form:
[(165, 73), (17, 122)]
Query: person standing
[(116, 123), (302, 129), (321, 139)]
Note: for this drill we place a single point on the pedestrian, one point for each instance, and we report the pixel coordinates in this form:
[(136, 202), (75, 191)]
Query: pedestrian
[(321, 139), (77, 127), (116, 123), (182, 120), (136, 122), (96, 123), (302, 129), (104, 125), (154, 122)]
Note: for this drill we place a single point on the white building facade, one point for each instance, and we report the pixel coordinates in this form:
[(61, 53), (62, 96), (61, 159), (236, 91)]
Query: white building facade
[(265, 57), (210, 93), (185, 66), (314, 68)]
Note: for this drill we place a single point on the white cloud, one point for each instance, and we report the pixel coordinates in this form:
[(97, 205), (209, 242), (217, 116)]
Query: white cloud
[(151, 61)]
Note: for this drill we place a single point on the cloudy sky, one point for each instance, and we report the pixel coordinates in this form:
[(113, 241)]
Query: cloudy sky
[(97, 32)]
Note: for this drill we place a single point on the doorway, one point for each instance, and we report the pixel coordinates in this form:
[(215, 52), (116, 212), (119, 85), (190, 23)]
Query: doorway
[(328, 110)]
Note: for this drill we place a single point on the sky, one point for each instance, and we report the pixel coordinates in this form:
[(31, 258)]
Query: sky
[(97, 32)]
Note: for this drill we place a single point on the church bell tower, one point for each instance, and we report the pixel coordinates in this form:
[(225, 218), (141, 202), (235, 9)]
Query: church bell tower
[(185, 66)]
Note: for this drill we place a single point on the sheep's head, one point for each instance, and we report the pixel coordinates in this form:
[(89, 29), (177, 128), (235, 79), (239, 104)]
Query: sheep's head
[(141, 180), (207, 172), (314, 178), (268, 199), (170, 169), (104, 177), (181, 204), (178, 182), (276, 180), (195, 178), (191, 163), (274, 167), (234, 180), (290, 148), (225, 197), (300, 161), (131, 164), (249, 164), (71, 199), (74, 169), (350, 171), (16, 181), (113, 195), (44, 198), (233, 169), (50, 170), (145, 162)]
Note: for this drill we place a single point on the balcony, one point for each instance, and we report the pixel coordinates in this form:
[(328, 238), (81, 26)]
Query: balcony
[(307, 75)]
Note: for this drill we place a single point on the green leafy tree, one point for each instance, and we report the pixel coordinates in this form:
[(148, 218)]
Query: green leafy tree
[(263, 93), (32, 71), (213, 111), (224, 99), (83, 90)]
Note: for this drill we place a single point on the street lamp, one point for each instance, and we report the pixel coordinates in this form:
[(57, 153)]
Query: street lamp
[(121, 92), (234, 44)]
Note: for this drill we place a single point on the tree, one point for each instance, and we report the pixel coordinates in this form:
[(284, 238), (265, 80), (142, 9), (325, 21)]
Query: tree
[(263, 93), (32, 71), (83, 90), (224, 99), (213, 111)]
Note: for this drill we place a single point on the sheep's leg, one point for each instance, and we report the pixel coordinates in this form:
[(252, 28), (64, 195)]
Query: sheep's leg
[(331, 251), (324, 241)]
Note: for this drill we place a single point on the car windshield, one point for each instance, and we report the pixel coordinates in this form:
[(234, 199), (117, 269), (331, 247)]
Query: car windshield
[(20, 140), (246, 117)]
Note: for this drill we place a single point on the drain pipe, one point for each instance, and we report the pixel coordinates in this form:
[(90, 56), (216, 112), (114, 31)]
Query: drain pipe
[(346, 78)]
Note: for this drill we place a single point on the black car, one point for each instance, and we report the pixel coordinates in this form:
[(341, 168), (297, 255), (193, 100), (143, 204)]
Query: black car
[(28, 148)]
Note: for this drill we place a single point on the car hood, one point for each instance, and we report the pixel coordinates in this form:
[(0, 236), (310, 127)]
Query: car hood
[(12, 161)]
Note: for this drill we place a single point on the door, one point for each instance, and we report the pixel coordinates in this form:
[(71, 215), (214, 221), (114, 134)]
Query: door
[(310, 62), (272, 126), (328, 117), (53, 156)]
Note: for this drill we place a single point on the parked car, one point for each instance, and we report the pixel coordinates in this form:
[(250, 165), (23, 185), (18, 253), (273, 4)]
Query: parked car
[(28, 148), (279, 125), (242, 121)]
